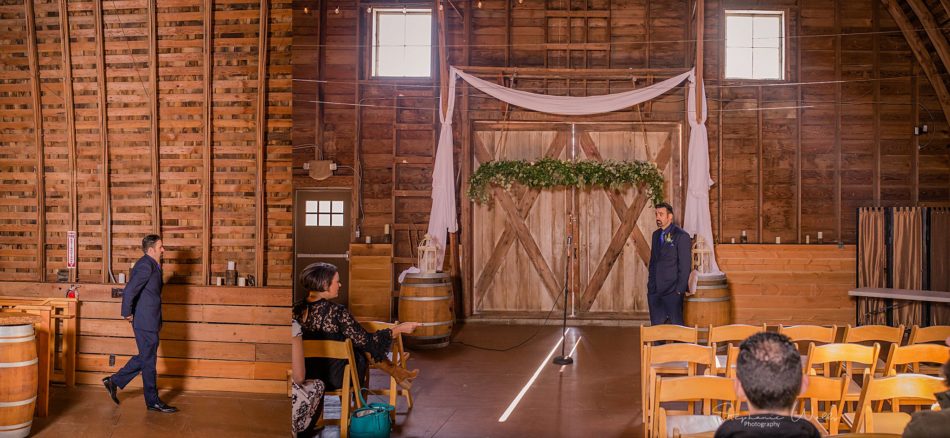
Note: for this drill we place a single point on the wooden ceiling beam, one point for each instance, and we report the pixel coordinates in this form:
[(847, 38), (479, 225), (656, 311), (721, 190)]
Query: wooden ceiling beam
[(933, 31), (920, 52)]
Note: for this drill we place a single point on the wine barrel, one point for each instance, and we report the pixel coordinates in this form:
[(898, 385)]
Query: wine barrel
[(18, 378), (428, 300), (711, 304)]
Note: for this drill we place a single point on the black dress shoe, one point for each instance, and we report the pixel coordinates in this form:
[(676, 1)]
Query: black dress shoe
[(112, 388), (162, 407)]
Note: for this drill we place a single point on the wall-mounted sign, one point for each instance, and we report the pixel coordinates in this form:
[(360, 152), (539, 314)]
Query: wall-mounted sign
[(71, 249)]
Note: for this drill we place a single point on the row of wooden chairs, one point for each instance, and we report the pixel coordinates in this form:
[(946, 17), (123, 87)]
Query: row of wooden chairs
[(835, 362), (720, 402)]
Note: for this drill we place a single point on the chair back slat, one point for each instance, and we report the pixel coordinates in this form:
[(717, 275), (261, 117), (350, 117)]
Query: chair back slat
[(733, 332), (923, 335), (813, 333), (900, 358), (881, 333)]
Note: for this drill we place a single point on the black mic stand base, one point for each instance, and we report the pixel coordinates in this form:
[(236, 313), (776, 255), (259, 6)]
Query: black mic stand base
[(561, 360)]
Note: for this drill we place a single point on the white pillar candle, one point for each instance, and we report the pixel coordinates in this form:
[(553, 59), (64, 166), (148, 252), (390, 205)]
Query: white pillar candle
[(743, 233), (230, 265), (368, 240), (778, 240), (219, 281), (820, 235), (807, 239), (242, 281), (733, 240)]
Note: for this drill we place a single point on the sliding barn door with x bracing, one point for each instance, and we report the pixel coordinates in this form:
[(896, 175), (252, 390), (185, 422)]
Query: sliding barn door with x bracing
[(519, 238)]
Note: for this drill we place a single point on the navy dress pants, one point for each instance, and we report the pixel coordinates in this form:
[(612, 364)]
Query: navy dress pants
[(666, 309), (144, 363)]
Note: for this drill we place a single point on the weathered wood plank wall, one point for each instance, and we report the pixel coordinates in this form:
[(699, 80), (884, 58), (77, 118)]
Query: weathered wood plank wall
[(120, 86)]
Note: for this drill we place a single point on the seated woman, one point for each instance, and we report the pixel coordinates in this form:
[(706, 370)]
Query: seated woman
[(317, 318)]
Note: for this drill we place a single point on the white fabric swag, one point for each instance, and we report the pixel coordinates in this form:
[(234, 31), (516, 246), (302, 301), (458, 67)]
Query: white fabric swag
[(696, 219)]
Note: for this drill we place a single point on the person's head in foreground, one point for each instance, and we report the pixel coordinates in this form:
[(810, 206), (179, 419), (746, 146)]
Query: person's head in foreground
[(769, 371)]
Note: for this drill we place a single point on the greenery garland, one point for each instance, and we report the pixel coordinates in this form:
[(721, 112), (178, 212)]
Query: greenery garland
[(548, 172)]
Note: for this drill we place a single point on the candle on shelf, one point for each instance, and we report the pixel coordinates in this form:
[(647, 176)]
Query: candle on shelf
[(820, 237), (778, 240), (807, 239), (230, 265), (242, 281), (744, 238), (369, 240), (219, 281), (733, 240)]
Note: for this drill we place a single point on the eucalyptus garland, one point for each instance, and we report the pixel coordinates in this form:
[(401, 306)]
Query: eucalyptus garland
[(548, 173)]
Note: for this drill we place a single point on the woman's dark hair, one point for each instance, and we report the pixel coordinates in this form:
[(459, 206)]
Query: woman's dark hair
[(315, 277), (770, 370)]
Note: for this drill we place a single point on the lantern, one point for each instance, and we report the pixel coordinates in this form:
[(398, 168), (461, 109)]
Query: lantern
[(701, 255), (428, 255)]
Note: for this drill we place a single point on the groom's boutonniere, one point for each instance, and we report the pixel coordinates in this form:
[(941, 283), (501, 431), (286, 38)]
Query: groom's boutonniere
[(668, 238)]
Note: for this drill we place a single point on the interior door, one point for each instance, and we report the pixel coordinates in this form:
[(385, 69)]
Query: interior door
[(322, 234)]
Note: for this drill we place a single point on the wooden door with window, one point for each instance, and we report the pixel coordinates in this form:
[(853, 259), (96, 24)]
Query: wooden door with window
[(322, 234)]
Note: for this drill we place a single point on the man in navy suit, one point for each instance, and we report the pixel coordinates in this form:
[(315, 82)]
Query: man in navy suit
[(670, 265), (142, 307)]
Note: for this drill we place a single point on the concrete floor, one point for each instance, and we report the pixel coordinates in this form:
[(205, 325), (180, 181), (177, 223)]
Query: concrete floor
[(461, 392)]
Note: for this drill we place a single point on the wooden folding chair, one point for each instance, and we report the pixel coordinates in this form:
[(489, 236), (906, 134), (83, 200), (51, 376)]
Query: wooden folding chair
[(708, 389), (649, 335), (826, 391), (888, 337), (926, 335), (907, 359), (399, 358), (799, 334), (843, 357), (896, 389), (342, 350), (728, 335), (655, 360)]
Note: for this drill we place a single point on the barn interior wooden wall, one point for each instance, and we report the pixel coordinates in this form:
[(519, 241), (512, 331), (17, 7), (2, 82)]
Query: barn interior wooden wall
[(123, 118), (790, 158)]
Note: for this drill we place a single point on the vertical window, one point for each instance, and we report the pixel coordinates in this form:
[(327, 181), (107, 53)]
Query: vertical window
[(755, 45), (402, 42), (324, 214)]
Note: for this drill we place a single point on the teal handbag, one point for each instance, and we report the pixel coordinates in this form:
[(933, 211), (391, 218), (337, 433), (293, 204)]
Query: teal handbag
[(372, 420)]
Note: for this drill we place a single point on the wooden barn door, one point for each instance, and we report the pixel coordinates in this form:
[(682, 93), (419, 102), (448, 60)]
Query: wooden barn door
[(519, 238), (614, 227)]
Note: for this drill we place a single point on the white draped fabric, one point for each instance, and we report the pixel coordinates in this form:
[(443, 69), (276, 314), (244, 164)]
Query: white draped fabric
[(442, 218)]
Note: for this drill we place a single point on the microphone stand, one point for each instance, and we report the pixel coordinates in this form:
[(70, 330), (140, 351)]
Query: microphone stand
[(563, 359)]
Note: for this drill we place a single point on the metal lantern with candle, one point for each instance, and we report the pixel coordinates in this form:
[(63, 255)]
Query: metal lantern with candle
[(701, 255), (428, 255)]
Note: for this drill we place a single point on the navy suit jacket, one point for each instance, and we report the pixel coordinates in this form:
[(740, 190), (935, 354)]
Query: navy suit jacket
[(142, 297), (670, 263)]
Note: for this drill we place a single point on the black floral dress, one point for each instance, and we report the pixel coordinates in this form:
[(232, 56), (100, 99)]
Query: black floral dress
[(324, 320)]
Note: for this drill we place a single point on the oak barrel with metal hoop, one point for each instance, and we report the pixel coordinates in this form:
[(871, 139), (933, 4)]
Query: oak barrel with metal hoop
[(711, 304), (18, 376), (428, 300)]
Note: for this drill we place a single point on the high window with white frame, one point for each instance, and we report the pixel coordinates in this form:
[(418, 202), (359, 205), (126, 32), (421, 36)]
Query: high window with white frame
[(402, 42), (755, 45)]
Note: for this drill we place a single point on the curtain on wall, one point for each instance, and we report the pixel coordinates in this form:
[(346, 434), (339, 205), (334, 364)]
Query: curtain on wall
[(908, 261), (696, 219), (940, 262), (872, 262)]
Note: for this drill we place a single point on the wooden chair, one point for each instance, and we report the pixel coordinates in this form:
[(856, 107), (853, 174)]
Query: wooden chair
[(888, 337), (827, 391), (909, 357), (729, 334), (926, 335), (342, 350), (843, 357), (799, 334), (649, 335), (897, 389), (399, 358), (708, 389), (655, 360)]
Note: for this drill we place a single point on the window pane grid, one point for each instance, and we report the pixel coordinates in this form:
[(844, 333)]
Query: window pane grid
[(402, 42), (755, 45)]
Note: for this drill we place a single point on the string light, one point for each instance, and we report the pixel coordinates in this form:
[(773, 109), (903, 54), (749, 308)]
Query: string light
[(337, 10)]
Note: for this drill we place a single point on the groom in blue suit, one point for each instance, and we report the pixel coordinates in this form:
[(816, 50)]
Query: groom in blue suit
[(142, 307), (670, 265)]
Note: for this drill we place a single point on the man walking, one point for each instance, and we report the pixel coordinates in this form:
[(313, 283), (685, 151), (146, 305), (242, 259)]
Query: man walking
[(142, 307), (670, 265)]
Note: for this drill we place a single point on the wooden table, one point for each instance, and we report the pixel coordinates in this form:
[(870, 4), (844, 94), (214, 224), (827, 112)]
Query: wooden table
[(889, 295)]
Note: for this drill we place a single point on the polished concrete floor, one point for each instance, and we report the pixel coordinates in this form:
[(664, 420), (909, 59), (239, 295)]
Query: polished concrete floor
[(462, 391)]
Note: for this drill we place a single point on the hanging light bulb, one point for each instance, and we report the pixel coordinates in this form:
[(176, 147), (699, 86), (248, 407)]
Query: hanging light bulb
[(440, 6), (479, 5), (306, 10), (337, 10)]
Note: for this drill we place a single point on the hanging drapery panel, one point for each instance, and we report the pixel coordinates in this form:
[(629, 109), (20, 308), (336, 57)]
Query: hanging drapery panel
[(871, 263), (908, 259), (442, 219), (939, 265)]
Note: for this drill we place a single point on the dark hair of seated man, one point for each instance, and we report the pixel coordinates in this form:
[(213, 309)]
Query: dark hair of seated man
[(769, 371)]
